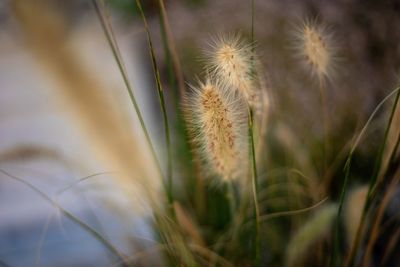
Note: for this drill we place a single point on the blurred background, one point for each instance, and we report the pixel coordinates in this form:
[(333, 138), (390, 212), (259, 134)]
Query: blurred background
[(41, 142)]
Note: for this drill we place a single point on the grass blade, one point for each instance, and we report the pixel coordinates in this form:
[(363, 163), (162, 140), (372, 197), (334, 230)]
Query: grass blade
[(107, 244), (291, 212), (336, 241), (372, 186), (165, 26), (62, 190), (256, 216), (257, 244), (162, 104), (106, 25)]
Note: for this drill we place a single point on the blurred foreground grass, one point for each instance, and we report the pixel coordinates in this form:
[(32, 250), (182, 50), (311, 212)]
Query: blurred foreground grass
[(323, 188)]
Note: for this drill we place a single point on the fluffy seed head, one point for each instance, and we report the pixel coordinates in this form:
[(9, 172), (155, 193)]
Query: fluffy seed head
[(233, 62), (314, 46), (217, 120)]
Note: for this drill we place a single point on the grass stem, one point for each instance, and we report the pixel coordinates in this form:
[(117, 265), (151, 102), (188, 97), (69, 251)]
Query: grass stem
[(171, 48), (160, 92), (106, 26), (325, 122), (257, 240), (256, 218), (98, 236), (336, 240), (372, 190)]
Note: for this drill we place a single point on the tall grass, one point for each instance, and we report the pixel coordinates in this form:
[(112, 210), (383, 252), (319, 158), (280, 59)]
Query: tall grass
[(162, 105), (262, 195)]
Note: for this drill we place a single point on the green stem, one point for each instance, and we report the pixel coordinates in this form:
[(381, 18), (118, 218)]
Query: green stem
[(257, 240), (256, 214), (252, 22), (230, 193), (336, 241), (396, 147), (172, 49), (168, 57), (336, 237), (373, 185), (162, 104), (172, 85), (378, 163), (325, 122), (117, 55)]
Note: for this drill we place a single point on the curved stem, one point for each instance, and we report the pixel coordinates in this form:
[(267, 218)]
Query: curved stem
[(325, 122), (336, 240), (98, 236), (160, 92), (256, 215), (372, 186), (117, 55), (257, 240)]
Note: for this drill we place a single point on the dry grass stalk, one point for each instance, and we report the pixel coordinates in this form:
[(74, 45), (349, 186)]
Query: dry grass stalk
[(101, 120)]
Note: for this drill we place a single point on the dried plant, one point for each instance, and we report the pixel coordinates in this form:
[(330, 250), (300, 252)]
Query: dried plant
[(234, 133), (234, 63), (218, 125), (315, 47)]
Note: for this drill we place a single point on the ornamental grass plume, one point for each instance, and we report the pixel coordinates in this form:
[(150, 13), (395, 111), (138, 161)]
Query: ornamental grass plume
[(217, 120), (234, 63), (315, 47)]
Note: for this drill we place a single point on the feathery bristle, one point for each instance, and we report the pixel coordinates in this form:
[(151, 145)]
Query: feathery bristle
[(217, 117), (233, 62), (315, 47)]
